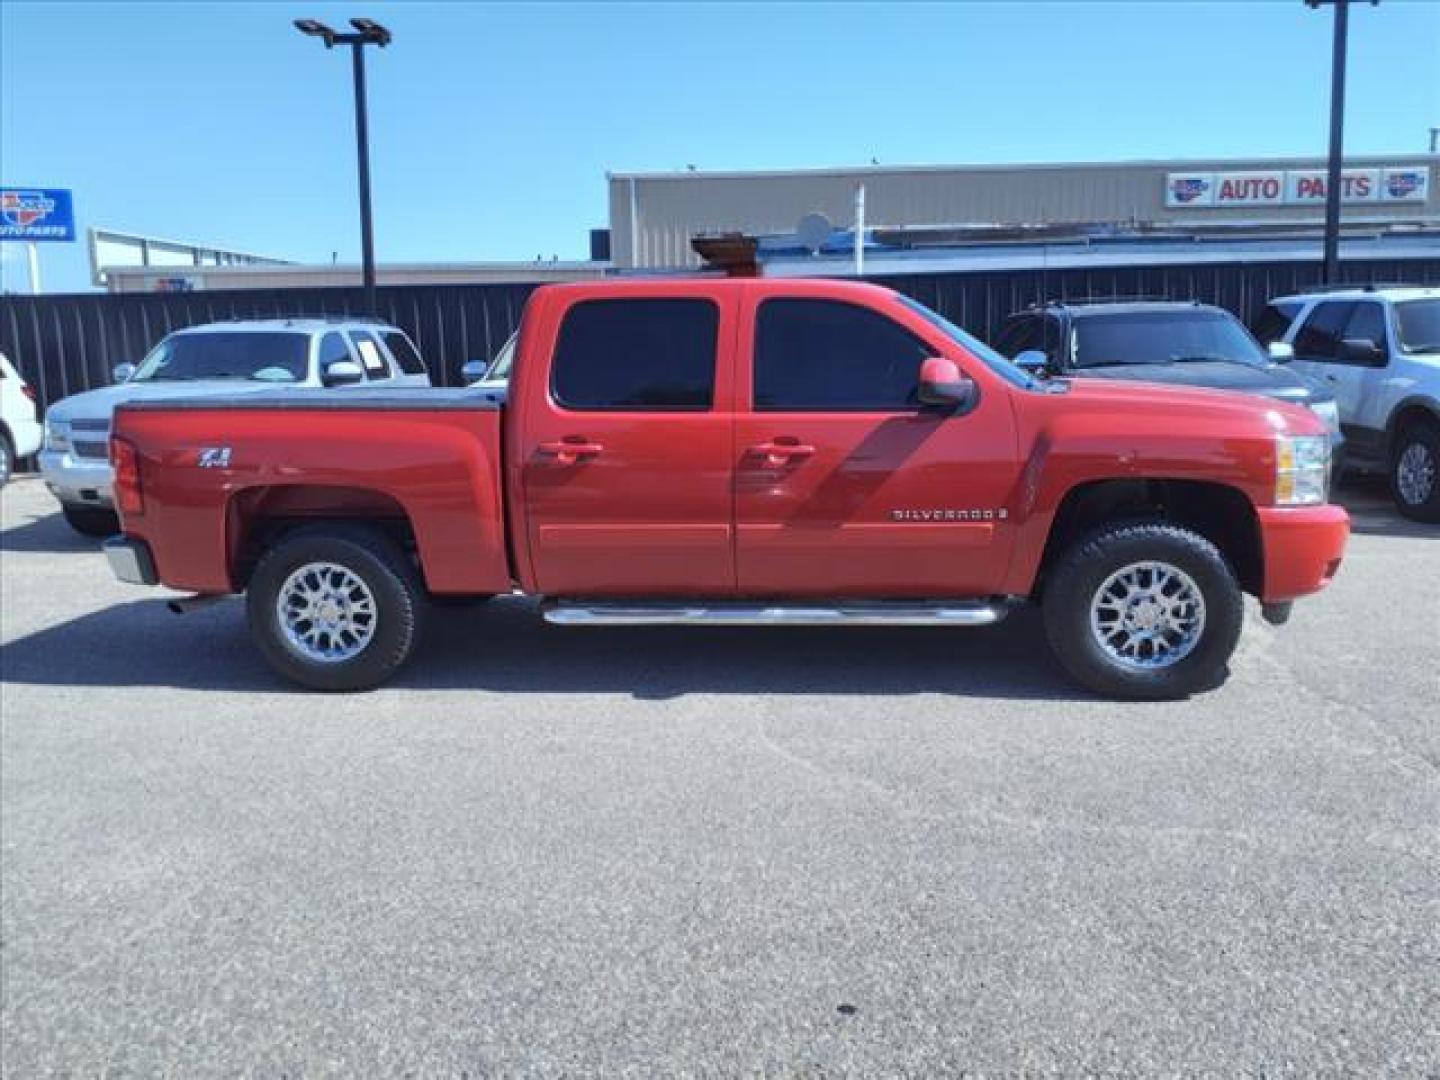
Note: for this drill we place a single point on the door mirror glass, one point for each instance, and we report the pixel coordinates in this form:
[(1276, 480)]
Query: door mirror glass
[(123, 372), (1281, 352), (474, 370), (1360, 351), (941, 383), (1034, 361), (343, 373)]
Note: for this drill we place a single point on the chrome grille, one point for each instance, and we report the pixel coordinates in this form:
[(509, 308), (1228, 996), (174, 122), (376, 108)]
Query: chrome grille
[(90, 425), (91, 448)]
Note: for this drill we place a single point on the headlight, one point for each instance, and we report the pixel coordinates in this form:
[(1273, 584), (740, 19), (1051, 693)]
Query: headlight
[(57, 435), (1327, 411), (1302, 469)]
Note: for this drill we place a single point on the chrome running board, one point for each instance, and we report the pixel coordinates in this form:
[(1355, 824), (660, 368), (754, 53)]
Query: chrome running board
[(693, 613)]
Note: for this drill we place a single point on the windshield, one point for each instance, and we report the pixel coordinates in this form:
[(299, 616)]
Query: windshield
[(1163, 337), (500, 369), (277, 357), (974, 346), (1419, 322)]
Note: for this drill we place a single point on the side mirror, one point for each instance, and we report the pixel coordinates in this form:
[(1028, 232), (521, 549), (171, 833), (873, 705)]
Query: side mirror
[(1361, 351), (343, 373), (1281, 352), (123, 372), (1034, 361), (474, 370), (941, 383)]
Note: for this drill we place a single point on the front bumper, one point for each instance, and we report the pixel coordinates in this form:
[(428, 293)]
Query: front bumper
[(1303, 548), (78, 481), (131, 561)]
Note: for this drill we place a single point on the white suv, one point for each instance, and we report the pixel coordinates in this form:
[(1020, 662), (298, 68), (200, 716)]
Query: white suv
[(19, 429), (1379, 348), (217, 359)]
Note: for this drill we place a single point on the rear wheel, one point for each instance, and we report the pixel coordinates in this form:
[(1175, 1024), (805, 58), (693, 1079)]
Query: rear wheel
[(91, 520), (335, 608), (1415, 472), (1145, 611)]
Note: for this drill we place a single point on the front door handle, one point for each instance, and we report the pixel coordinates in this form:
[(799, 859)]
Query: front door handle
[(781, 452), (568, 451)]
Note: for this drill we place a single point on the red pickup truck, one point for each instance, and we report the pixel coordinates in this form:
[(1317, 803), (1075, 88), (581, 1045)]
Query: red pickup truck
[(724, 451)]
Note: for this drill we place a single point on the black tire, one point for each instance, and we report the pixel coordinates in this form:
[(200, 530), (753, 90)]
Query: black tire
[(1071, 588), (1423, 441), (91, 520), (387, 573)]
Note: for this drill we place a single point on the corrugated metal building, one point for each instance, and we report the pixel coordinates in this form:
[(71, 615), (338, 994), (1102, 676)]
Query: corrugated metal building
[(653, 216)]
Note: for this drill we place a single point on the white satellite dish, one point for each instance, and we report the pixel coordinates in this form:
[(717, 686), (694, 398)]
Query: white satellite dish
[(813, 230)]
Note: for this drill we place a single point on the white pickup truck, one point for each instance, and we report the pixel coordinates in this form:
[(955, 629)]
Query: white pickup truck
[(216, 359)]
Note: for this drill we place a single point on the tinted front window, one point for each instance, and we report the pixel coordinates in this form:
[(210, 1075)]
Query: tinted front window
[(1419, 323), (1319, 338), (636, 354), (1274, 321), (269, 357), (1367, 323), (1021, 334), (1162, 337), (404, 353), (831, 356)]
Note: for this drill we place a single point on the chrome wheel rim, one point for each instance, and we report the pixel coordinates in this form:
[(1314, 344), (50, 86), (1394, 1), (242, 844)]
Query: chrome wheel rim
[(1148, 615), (327, 612), (1415, 474)]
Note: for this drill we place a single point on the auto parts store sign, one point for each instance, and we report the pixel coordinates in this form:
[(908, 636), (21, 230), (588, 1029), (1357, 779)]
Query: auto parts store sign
[(1295, 187)]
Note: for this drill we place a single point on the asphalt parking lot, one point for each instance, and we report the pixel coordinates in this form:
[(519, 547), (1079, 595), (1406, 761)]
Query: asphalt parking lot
[(559, 851)]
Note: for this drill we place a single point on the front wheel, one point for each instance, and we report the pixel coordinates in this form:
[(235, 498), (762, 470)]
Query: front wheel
[(1143, 611), (335, 608), (1415, 473)]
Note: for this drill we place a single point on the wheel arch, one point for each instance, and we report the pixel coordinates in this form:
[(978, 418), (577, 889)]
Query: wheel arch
[(1221, 513), (256, 518), (1411, 410)]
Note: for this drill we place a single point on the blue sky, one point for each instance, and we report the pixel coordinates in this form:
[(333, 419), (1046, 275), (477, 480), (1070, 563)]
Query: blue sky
[(492, 126)]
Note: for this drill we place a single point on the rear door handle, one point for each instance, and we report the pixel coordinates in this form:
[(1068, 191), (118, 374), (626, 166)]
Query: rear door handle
[(780, 453), (568, 451)]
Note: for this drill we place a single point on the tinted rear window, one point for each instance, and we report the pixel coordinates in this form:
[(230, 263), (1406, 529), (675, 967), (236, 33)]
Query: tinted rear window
[(636, 354), (1419, 322), (404, 353)]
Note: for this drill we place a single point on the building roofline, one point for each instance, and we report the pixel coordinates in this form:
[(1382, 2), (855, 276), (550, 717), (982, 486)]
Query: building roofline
[(1176, 164)]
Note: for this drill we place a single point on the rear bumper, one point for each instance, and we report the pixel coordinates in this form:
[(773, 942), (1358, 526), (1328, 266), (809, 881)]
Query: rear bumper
[(78, 481), (131, 561), (1303, 547), (26, 436)]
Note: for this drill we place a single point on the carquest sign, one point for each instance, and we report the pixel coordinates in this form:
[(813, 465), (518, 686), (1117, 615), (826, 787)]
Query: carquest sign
[(32, 214), (1295, 187)]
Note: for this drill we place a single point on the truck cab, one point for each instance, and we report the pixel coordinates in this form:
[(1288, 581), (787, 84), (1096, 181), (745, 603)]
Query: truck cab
[(762, 451)]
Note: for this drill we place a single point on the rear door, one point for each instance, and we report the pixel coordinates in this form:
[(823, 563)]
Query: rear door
[(624, 440), (844, 485)]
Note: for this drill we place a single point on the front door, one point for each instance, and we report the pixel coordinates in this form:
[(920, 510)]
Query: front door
[(625, 455), (845, 486)]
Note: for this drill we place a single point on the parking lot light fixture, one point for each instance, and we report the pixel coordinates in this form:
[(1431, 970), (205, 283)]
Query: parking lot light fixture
[(366, 32)]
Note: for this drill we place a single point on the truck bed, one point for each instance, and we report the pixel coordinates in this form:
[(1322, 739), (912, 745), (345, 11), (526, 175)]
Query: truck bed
[(218, 472)]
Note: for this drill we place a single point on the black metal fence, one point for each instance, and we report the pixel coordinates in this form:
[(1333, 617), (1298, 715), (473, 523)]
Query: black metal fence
[(66, 344)]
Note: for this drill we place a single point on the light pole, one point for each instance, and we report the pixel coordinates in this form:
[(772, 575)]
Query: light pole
[(367, 32), (1337, 134)]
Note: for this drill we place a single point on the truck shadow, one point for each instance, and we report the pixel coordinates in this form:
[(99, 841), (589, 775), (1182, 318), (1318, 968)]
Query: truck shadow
[(504, 647), (44, 533), (1372, 511)]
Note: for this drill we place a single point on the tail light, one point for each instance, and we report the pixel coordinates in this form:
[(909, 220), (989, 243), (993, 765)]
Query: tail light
[(28, 391), (125, 460)]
